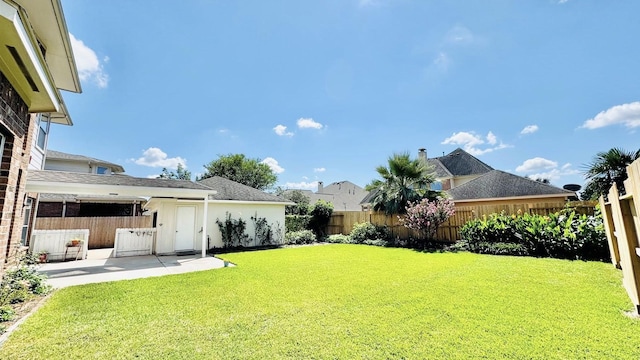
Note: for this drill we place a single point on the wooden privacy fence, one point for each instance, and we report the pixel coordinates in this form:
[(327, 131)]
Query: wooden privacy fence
[(621, 217), (102, 230), (342, 222)]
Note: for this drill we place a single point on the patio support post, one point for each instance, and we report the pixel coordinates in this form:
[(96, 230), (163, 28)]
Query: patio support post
[(205, 215)]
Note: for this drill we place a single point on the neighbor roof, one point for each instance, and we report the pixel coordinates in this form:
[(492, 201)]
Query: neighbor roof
[(458, 163), (500, 184), (230, 190), (59, 155)]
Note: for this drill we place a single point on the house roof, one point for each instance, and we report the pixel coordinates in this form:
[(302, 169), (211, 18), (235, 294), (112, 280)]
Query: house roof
[(230, 190), (500, 184), (59, 155), (62, 182), (458, 163)]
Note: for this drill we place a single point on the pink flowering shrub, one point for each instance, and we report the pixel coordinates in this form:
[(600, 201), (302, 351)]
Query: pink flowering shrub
[(425, 216)]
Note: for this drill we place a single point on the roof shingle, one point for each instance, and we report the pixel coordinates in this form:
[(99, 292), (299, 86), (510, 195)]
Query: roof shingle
[(500, 184)]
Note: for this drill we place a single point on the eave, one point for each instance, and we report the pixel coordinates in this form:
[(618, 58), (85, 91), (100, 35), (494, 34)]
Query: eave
[(24, 65), (48, 22)]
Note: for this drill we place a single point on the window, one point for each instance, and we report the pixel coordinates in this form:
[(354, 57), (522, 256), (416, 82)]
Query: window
[(436, 186), (27, 220), (43, 131), (102, 170)]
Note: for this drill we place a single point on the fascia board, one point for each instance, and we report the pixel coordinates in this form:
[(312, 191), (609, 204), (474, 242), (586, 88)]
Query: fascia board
[(101, 189)]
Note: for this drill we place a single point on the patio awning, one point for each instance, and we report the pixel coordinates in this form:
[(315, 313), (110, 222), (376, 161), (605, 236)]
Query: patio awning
[(62, 182)]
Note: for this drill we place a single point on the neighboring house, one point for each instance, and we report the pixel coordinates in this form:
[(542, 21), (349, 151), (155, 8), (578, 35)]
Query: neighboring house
[(343, 195), (36, 62), (60, 161), (454, 169), (499, 187), (469, 181), (183, 212)]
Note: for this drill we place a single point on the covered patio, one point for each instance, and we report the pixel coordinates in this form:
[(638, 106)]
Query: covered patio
[(60, 182)]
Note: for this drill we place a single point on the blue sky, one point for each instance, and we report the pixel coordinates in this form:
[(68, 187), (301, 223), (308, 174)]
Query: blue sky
[(328, 90)]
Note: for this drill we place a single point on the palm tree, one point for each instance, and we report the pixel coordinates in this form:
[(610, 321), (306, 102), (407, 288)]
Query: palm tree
[(404, 180), (609, 167)]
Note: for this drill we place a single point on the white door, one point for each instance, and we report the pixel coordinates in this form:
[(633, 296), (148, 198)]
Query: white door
[(185, 227)]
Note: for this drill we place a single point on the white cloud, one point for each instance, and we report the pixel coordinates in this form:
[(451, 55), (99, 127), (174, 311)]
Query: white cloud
[(470, 142), (536, 164), (541, 168), (273, 164), (463, 138), (281, 130), (154, 157), (302, 185), (320, 169), (529, 129), (491, 138), (89, 66), (308, 123), (625, 114)]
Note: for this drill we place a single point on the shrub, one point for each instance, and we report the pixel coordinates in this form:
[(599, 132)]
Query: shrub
[(425, 216), (20, 283), (263, 235), (339, 239), (300, 237), (320, 216), (296, 222), (6, 313), (376, 242), (368, 231), (233, 232), (565, 234)]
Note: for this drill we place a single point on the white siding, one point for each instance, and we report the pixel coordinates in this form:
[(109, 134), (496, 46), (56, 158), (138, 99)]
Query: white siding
[(36, 159), (273, 213), (71, 166), (166, 221)]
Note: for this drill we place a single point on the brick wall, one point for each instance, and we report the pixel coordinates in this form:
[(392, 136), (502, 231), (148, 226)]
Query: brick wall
[(17, 128)]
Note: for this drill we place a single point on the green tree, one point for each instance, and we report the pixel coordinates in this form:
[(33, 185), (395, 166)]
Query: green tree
[(320, 217), (404, 180), (607, 168), (302, 203), (181, 173), (237, 167)]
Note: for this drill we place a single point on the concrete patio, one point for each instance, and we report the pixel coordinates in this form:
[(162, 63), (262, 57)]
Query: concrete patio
[(100, 267)]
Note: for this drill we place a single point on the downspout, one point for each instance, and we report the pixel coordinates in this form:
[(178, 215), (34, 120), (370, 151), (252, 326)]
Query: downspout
[(205, 214)]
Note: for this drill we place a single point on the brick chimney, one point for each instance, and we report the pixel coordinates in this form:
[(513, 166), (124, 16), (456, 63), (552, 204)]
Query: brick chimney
[(422, 154), (320, 187)]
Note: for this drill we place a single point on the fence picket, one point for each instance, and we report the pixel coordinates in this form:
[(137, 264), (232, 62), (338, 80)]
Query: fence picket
[(342, 221)]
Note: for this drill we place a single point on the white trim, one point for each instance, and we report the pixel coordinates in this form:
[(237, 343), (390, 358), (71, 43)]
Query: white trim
[(12, 14)]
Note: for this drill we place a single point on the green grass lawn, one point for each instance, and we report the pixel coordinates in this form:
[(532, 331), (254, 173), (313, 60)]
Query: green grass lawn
[(347, 302)]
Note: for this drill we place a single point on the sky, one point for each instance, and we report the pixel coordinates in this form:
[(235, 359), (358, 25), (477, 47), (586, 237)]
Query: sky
[(329, 90)]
